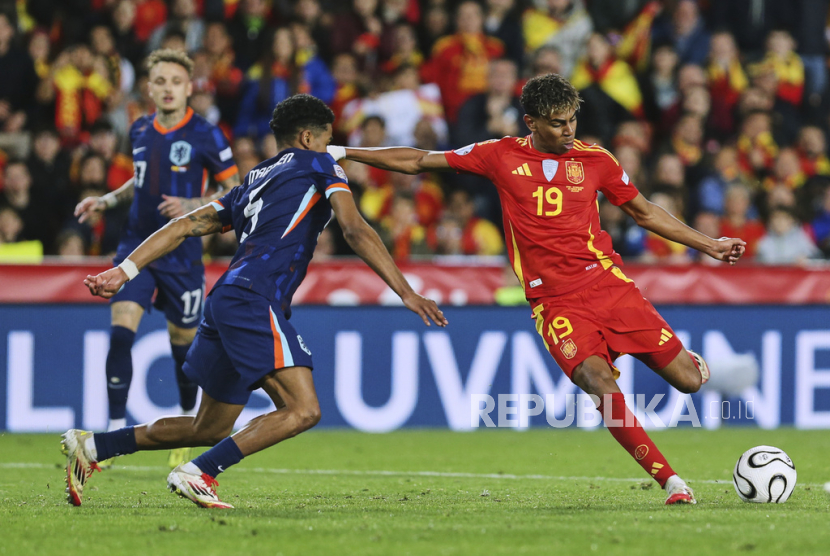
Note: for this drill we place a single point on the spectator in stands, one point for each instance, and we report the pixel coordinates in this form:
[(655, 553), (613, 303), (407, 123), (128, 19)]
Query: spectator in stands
[(405, 50), (277, 76), (628, 238), (783, 62), (40, 50), (149, 14), (659, 249), (727, 80), (326, 246), (119, 70), (348, 87), (225, 74), (79, 86), (126, 41), (786, 241), (669, 172), (446, 237), (17, 87), (756, 147), (104, 142), (685, 29), (609, 88), (631, 159), (458, 64), (561, 23), (712, 189), (48, 166), (436, 24), (479, 235), (661, 87), (401, 232), (407, 103), (812, 151), (821, 223), (70, 244), (319, 24), (364, 34), (502, 21), (786, 171), (17, 195), (11, 225), (738, 218), (493, 114), (183, 17), (174, 39), (707, 223), (247, 29)]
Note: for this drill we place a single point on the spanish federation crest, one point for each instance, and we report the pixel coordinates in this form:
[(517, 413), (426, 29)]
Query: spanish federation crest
[(180, 153), (569, 349), (574, 171), (549, 167)]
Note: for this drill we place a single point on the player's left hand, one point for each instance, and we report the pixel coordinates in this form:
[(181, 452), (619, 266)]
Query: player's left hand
[(173, 207), (426, 309), (728, 249), (106, 284)]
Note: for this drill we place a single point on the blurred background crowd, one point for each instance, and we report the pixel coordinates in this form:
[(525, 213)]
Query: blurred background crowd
[(718, 109)]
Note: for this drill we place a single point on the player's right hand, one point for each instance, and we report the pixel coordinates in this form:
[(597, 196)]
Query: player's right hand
[(87, 207), (106, 284), (425, 308)]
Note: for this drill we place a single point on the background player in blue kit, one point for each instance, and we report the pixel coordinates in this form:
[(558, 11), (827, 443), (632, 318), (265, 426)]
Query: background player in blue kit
[(174, 153), (245, 340)]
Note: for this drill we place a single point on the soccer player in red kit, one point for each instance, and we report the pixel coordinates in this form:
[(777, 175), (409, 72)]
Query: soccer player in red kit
[(587, 311)]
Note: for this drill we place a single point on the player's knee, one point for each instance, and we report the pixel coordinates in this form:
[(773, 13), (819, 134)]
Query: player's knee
[(690, 384), (307, 417), (594, 378)]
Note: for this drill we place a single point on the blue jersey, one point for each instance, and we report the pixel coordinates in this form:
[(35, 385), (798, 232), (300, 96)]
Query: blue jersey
[(176, 162), (277, 214)]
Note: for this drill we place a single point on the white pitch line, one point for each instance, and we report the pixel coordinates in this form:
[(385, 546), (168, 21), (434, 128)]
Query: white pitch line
[(384, 473)]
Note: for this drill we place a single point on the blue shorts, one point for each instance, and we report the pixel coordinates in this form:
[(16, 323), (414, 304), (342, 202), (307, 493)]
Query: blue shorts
[(180, 296), (242, 338)]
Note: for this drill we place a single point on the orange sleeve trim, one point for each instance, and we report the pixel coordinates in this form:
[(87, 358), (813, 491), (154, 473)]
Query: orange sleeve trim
[(340, 185), (225, 174)]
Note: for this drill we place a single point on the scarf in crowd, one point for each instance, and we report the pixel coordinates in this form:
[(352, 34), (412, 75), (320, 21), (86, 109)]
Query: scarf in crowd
[(616, 80), (635, 44)]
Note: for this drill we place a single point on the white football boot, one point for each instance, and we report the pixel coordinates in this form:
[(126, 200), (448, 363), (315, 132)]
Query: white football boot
[(199, 488), (678, 492), (79, 463)]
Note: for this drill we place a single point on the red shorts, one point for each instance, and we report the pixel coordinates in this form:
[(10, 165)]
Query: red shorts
[(608, 319)]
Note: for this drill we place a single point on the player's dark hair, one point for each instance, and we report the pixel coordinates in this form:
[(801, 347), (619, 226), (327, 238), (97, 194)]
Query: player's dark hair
[(172, 56), (549, 94), (297, 113)]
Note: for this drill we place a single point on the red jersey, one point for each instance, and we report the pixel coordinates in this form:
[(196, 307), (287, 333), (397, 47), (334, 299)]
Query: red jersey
[(551, 215)]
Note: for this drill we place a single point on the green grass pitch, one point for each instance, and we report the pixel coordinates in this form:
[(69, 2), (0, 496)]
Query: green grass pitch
[(424, 492)]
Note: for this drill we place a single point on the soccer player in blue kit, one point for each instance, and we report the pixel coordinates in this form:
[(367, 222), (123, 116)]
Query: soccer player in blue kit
[(174, 151), (245, 340)]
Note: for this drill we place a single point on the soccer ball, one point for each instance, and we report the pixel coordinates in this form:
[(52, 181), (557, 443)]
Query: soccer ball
[(764, 474)]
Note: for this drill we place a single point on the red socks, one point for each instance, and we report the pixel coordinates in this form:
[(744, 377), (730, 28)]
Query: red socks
[(625, 428)]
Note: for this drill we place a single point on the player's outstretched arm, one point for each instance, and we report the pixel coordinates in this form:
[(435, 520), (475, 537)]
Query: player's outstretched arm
[(91, 205), (398, 159), (367, 244), (200, 222), (656, 219), (173, 207)]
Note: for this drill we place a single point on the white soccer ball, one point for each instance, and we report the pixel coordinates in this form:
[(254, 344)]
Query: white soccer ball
[(764, 474)]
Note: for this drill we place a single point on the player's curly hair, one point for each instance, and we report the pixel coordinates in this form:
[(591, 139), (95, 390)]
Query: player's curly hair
[(170, 55), (549, 94), (297, 113)]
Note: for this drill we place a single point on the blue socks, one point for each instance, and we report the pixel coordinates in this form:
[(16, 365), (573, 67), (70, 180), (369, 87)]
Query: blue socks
[(119, 370), (187, 388), (115, 443), (218, 458)]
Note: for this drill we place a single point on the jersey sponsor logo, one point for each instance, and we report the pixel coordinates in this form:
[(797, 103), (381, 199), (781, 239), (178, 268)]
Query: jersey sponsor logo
[(549, 167), (225, 154), (341, 173), (523, 170), (640, 452), (536, 282), (302, 344), (574, 171), (575, 188), (464, 150), (180, 153), (568, 349)]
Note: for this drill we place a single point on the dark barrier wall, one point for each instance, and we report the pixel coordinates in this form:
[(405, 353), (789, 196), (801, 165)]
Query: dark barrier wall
[(378, 369)]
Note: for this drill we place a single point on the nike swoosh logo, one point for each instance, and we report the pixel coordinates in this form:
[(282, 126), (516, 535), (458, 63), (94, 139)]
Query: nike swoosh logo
[(219, 467), (139, 149), (190, 319)]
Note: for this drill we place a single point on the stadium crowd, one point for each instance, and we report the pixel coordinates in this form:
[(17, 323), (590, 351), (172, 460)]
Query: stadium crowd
[(718, 110)]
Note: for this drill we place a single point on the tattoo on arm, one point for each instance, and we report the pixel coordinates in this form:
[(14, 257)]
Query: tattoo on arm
[(204, 223), (124, 195)]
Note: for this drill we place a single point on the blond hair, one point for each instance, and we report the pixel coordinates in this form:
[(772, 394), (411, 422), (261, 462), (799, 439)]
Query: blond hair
[(172, 56)]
